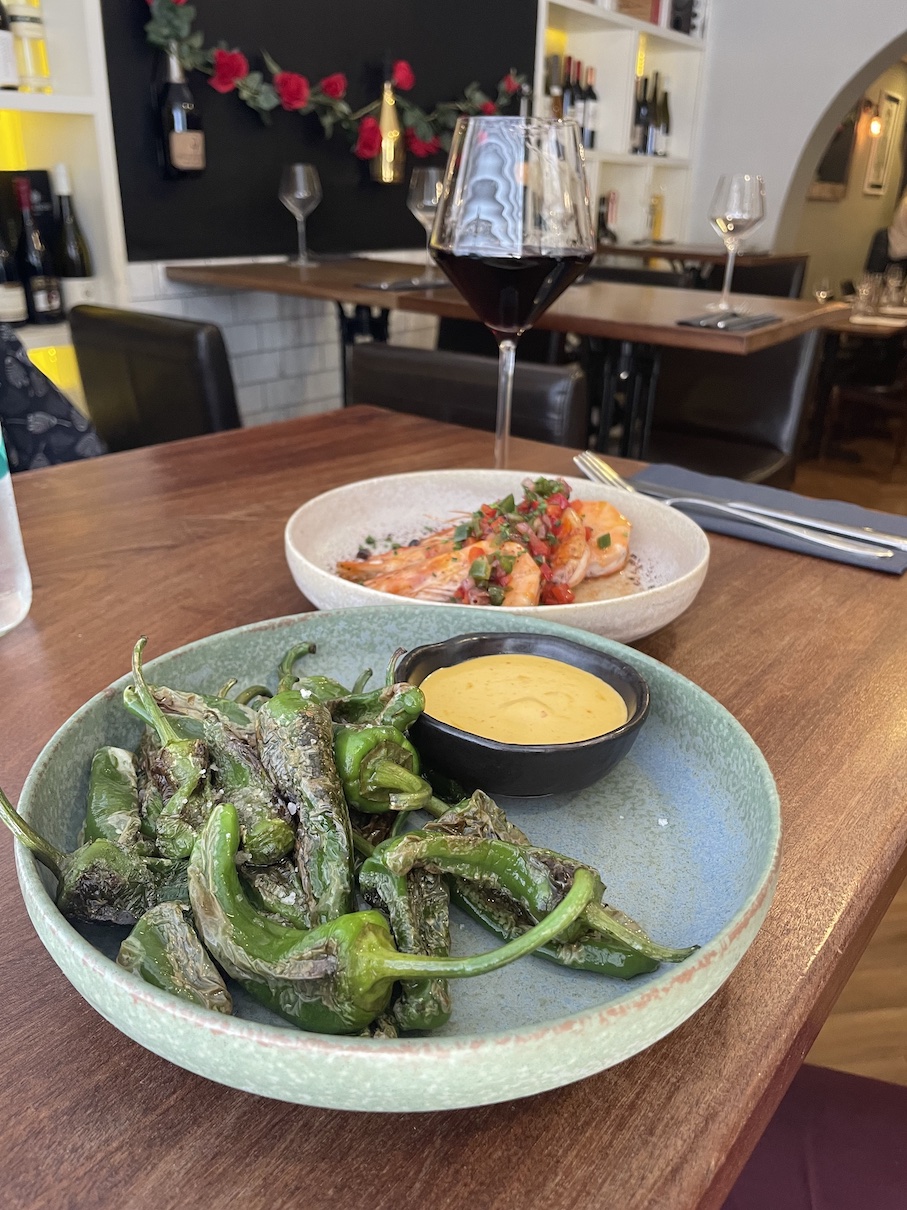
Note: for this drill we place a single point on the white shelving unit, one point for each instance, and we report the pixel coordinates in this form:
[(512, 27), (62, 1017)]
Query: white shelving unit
[(616, 46), (72, 125)]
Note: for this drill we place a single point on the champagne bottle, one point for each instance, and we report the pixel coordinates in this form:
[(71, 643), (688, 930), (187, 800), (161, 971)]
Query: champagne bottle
[(182, 142), (641, 120), (652, 128), (42, 286), (13, 307), (9, 72), (389, 164), (590, 122), (664, 123), (26, 23), (71, 255)]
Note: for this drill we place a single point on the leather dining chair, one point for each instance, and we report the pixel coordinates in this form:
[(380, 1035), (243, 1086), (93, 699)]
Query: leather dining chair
[(736, 416), (887, 397), (149, 378), (549, 402), (777, 278)]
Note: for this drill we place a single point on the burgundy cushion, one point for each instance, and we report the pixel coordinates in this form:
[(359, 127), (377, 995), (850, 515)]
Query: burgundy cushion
[(836, 1142)]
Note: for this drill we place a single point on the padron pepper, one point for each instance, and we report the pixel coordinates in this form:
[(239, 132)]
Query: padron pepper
[(113, 801), (164, 950), (378, 768), (606, 940), (296, 746), (100, 881), (184, 764), (338, 977)]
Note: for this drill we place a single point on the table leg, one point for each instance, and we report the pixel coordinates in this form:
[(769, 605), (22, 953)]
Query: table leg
[(825, 380), (362, 321)]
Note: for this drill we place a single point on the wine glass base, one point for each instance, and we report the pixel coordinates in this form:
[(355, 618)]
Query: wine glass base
[(301, 262), (728, 308)]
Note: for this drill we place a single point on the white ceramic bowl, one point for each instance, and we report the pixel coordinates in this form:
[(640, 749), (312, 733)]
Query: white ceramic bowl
[(668, 562)]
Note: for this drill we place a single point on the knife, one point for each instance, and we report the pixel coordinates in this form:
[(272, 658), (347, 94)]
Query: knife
[(757, 512)]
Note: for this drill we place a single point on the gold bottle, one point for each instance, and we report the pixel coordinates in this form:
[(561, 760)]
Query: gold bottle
[(388, 165)]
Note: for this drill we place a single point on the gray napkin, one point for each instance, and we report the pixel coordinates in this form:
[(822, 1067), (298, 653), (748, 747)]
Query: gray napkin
[(665, 475)]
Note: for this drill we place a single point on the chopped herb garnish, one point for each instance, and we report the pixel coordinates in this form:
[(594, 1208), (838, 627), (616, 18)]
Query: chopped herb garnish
[(370, 541), (603, 542), (480, 571), (495, 594)]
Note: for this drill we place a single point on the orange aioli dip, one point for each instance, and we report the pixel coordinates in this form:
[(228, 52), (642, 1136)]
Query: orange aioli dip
[(523, 699)]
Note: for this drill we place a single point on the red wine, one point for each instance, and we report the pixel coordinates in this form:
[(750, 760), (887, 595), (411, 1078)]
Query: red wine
[(509, 293), (42, 286)]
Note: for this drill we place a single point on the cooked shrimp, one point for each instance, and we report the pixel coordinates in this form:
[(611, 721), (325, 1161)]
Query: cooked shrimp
[(570, 558), (435, 578), (525, 578), (363, 571), (609, 542)]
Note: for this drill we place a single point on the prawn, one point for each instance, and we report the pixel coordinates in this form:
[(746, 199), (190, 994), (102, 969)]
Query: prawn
[(364, 571), (433, 578), (525, 582), (609, 540), (569, 559)]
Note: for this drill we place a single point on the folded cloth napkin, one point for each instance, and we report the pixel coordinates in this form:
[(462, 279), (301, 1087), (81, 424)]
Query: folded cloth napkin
[(666, 476)]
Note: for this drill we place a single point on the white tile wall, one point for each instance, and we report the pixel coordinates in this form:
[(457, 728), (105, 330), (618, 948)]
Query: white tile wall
[(284, 352)]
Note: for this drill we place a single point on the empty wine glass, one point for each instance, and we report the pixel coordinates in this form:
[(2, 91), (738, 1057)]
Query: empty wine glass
[(425, 187), (737, 209), (300, 192), (513, 229)]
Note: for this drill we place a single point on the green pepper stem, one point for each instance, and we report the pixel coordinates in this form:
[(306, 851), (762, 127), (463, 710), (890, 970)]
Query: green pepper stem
[(571, 907), (363, 847), (285, 669), (388, 775), (253, 691), (224, 690), (362, 680), (141, 702), (391, 674), (604, 920), (436, 807), (42, 849)]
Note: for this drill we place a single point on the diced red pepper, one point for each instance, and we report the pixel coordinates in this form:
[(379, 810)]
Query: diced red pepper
[(588, 532), (545, 571), (537, 546), (557, 594)]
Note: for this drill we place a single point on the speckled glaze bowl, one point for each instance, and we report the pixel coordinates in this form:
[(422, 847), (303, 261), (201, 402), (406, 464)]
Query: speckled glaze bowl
[(526, 770), (668, 561), (685, 831)]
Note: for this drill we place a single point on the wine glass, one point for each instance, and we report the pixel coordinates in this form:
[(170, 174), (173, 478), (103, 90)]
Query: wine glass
[(737, 209), (300, 192), (513, 229), (425, 187)]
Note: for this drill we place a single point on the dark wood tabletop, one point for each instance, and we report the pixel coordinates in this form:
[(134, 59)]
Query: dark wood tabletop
[(696, 254), (611, 310), (186, 539)]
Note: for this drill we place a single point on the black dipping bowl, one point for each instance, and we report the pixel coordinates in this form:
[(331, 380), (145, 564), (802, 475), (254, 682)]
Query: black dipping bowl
[(523, 770)]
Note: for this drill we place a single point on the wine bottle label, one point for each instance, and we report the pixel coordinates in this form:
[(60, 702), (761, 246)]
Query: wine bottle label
[(9, 73), (45, 294), (12, 303), (591, 121), (187, 150), (25, 22)]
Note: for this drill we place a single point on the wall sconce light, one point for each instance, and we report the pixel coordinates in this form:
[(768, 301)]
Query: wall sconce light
[(875, 121)]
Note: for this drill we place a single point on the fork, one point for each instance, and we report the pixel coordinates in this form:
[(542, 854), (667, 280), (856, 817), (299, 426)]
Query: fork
[(594, 467)]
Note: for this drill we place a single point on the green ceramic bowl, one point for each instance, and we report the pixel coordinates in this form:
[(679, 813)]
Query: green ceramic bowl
[(685, 830)]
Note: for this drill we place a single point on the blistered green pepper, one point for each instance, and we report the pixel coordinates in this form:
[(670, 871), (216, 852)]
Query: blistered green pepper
[(113, 801), (378, 768), (164, 950), (338, 977)]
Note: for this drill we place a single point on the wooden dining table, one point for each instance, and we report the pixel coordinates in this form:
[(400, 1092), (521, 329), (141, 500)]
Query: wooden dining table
[(181, 540)]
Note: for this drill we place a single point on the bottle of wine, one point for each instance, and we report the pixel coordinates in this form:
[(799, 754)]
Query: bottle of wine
[(579, 96), (663, 139), (42, 286), (569, 98), (641, 119), (590, 122), (9, 72), (26, 23), (13, 308), (389, 165), (652, 129), (557, 101), (607, 216), (182, 146), (71, 255)]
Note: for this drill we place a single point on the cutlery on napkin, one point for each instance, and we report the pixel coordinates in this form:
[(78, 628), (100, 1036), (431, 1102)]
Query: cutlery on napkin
[(674, 482), (729, 321)]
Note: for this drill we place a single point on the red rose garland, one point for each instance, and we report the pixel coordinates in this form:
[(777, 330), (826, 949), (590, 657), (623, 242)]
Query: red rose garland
[(426, 133)]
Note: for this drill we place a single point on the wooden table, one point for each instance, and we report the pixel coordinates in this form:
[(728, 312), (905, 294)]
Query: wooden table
[(185, 539), (696, 254)]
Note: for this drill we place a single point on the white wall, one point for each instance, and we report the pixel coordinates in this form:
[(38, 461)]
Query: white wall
[(778, 76)]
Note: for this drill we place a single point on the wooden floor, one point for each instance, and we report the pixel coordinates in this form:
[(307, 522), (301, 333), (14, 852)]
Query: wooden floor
[(867, 1031)]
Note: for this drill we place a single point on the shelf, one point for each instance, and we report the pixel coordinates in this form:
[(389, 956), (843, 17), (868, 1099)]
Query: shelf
[(636, 161), (47, 103), (44, 336), (581, 16)]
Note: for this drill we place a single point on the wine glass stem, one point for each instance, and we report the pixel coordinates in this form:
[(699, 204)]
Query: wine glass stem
[(506, 361), (300, 231), (724, 301)]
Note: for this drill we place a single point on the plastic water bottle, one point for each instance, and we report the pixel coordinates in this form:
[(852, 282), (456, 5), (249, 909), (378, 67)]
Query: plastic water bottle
[(15, 580)]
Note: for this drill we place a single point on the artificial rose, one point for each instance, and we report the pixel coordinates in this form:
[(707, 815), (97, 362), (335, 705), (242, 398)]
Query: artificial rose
[(402, 76), (334, 86), (488, 107), (421, 148), (230, 66), (510, 84), (368, 143), (292, 89)]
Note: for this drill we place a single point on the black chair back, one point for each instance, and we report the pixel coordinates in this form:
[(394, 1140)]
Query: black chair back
[(470, 336), (149, 378), (777, 278), (737, 416), (637, 275), (549, 402)]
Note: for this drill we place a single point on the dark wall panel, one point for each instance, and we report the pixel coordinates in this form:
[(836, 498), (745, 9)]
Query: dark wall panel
[(232, 209)]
